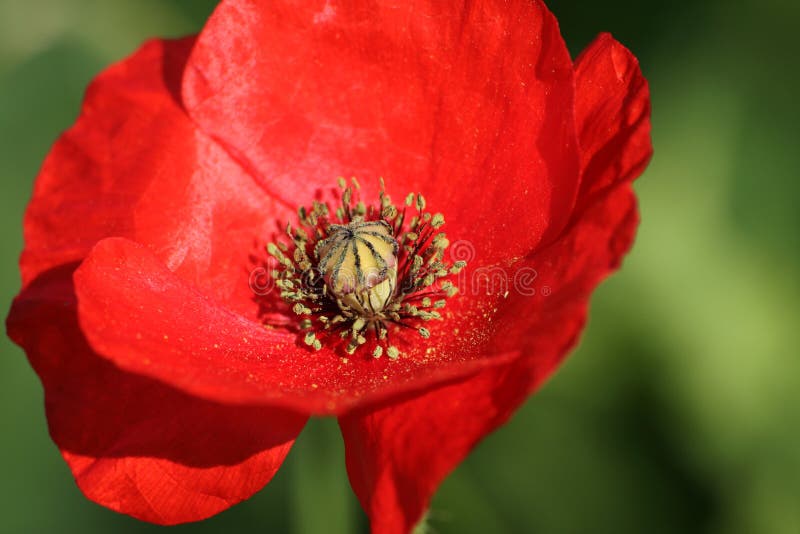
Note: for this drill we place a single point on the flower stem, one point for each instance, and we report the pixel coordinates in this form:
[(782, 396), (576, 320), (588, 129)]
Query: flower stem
[(321, 497)]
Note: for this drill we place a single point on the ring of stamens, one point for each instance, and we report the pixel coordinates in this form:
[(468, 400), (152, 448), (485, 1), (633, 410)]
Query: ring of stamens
[(351, 273)]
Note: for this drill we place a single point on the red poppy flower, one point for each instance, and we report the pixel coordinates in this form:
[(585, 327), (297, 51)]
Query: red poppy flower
[(171, 391)]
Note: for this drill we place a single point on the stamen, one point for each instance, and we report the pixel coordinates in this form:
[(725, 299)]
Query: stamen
[(352, 272)]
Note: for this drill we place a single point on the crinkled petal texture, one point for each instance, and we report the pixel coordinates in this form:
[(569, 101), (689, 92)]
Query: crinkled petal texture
[(133, 444), (398, 454), (136, 445), (166, 393), (471, 105)]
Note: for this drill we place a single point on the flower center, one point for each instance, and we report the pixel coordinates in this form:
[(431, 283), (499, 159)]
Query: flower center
[(354, 273)]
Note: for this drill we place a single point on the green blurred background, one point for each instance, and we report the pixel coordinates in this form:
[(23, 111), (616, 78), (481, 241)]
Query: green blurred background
[(680, 411)]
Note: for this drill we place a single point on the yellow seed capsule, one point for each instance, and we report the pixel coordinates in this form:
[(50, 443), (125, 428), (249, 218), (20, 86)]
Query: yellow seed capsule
[(359, 264)]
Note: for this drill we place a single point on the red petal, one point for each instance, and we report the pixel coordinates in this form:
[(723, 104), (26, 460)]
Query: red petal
[(398, 455), (146, 319), (133, 444), (470, 104), (612, 113), (134, 165)]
